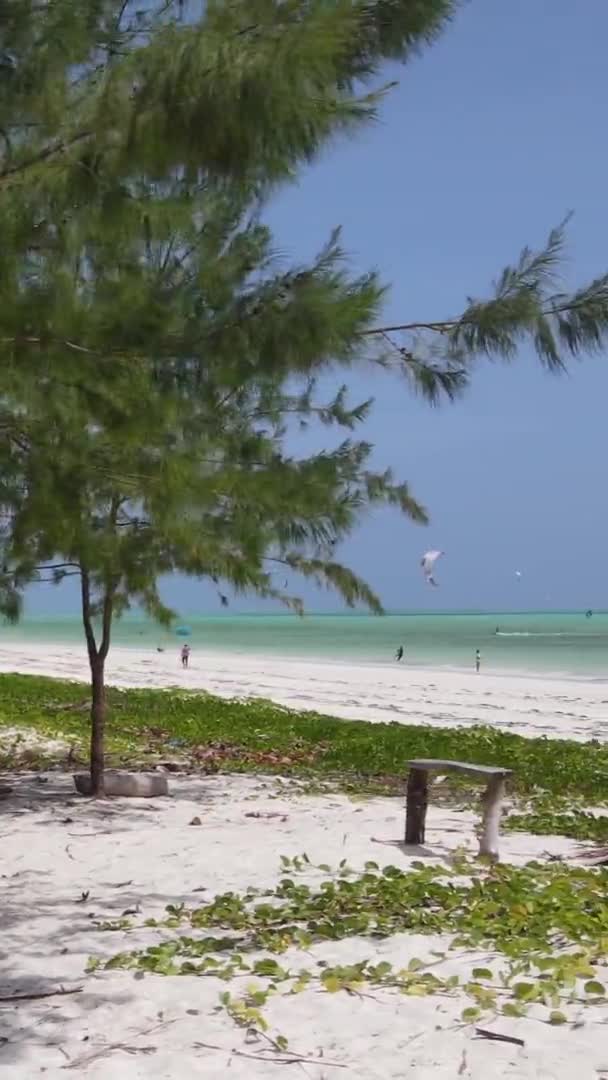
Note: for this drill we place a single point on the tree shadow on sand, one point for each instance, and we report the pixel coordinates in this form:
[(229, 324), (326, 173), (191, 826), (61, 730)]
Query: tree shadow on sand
[(49, 925), (54, 791)]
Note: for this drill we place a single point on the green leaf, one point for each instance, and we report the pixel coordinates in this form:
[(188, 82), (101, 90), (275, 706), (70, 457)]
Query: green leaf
[(417, 989), (595, 987), (557, 1017), (383, 968), (511, 1008), (482, 973), (269, 968), (470, 1014)]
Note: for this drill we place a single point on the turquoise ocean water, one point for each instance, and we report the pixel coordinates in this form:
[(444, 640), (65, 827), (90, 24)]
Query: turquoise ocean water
[(556, 643)]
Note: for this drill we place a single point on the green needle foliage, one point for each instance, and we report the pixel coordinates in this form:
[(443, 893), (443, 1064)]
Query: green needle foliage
[(246, 89), (527, 306), (156, 355)]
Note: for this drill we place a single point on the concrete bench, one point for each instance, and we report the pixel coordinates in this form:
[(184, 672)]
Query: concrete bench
[(417, 799), (129, 785)]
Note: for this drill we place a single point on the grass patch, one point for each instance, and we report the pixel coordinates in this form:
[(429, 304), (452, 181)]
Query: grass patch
[(212, 734), (576, 824)]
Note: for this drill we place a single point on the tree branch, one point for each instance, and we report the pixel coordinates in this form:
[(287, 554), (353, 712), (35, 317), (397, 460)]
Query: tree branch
[(438, 327), (110, 588), (57, 566), (444, 326), (43, 155), (106, 623), (85, 591)]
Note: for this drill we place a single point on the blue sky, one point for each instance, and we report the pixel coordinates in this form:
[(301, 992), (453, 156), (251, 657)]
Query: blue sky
[(489, 139)]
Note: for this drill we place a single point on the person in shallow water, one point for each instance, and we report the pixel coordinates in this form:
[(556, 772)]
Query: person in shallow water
[(185, 655), (477, 660), (399, 653)]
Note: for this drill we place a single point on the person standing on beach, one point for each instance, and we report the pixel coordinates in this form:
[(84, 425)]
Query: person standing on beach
[(477, 660), (185, 655), (399, 653)]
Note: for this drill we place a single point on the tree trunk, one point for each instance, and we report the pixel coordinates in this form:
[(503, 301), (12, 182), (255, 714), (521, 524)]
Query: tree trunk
[(97, 659), (98, 724)]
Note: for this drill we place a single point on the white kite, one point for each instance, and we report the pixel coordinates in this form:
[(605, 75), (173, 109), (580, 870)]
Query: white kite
[(518, 574), (428, 565)]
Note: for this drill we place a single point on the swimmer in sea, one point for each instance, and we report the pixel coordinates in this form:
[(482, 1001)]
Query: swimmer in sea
[(399, 653), (477, 660)]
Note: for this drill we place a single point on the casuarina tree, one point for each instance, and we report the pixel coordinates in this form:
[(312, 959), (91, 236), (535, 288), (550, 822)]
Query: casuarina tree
[(156, 354)]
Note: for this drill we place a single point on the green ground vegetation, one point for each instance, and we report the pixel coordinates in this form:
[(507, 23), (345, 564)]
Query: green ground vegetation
[(546, 924), (556, 779)]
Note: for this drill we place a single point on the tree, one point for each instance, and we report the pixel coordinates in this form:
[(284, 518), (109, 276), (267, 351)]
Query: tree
[(155, 354), (136, 146), (242, 90), (120, 467), (136, 149)]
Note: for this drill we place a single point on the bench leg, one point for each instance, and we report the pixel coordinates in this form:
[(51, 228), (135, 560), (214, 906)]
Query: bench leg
[(491, 801), (416, 804)]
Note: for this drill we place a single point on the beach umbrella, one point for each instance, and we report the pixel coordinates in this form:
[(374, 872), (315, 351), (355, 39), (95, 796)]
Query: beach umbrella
[(183, 631), (428, 565)]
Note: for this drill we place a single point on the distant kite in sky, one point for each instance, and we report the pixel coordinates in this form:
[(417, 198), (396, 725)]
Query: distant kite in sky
[(428, 565), (518, 574)]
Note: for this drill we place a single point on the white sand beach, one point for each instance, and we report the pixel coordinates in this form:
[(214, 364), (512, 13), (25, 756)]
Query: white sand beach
[(566, 708), (68, 864)]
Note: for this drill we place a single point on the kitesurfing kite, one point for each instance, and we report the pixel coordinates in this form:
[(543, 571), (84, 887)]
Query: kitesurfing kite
[(428, 565)]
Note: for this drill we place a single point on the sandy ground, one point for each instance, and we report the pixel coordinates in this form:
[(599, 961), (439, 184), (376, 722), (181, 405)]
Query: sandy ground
[(55, 848), (529, 706)]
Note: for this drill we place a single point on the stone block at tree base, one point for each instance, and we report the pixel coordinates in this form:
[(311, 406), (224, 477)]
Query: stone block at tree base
[(129, 785)]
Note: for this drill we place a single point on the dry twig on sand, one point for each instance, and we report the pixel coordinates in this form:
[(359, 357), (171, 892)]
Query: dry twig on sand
[(60, 992), (595, 857), (95, 1055), (111, 1048), (495, 1036), (274, 1056)]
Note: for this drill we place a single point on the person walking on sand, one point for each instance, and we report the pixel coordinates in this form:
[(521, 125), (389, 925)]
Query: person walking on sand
[(185, 655), (477, 660), (399, 653)]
